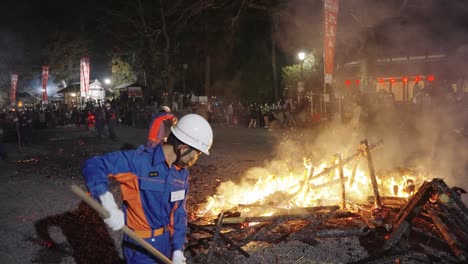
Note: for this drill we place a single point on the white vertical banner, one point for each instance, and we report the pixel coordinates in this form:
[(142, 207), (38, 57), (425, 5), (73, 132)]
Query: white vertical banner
[(84, 77)]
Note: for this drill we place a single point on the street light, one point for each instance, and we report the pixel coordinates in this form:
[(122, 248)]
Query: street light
[(301, 56), (107, 81)]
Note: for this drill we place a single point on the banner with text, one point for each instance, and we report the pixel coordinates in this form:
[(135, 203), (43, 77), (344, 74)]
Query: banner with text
[(84, 76), (135, 92), (331, 22), (45, 79), (14, 82)]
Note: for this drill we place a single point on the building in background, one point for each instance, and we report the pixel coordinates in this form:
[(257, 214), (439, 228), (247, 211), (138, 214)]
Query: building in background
[(71, 94)]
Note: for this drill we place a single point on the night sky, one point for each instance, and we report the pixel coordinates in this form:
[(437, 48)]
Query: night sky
[(424, 24)]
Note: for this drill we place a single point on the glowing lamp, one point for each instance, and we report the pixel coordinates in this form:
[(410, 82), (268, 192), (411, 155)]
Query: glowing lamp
[(358, 82), (392, 80), (431, 78), (417, 79), (405, 79), (381, 80), (348, 82)]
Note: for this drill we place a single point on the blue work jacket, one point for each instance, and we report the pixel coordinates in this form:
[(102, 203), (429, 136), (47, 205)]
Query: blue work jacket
[(154, 192)]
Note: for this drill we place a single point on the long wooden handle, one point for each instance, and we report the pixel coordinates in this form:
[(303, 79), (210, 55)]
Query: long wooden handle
[(104, 214)]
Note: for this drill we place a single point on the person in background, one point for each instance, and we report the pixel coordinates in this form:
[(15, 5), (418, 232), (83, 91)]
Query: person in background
[(100, 117), (160, 126), (112, 121), (154, 186)]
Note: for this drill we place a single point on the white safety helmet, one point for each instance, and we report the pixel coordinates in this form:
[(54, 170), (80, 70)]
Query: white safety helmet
[(195, 131), (165, 108)]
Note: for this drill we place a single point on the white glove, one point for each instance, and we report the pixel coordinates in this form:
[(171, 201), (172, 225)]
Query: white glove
[(178, 257), (116, 220)]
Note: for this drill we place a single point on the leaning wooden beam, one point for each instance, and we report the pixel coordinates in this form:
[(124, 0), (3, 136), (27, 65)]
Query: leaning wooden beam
[(347, 160), (408, 213), (342, 181), (375, 187), (328, 184), (214, 242), (224, 237), (445, 233)]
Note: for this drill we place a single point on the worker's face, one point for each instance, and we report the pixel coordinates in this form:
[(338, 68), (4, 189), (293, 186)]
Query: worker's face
[(191, 157)]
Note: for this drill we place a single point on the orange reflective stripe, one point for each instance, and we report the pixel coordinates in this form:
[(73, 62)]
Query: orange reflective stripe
[(149, 233), (171, 219), (136, 218)]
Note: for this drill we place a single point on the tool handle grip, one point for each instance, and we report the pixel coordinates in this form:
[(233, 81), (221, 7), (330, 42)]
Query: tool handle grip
[(104, 214)]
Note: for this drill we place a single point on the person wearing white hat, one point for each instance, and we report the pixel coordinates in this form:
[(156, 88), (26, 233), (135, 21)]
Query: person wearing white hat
[(154, 185)]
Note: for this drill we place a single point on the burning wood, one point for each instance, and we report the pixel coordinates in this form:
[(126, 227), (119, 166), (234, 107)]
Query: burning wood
[(375, 188), (398, 213)]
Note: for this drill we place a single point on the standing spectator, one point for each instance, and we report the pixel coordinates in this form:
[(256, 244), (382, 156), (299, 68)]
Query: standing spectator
[(100, 116), (175, 100), (24, 123), (229, 114), (111, 119), (265, 113), (253, 116)]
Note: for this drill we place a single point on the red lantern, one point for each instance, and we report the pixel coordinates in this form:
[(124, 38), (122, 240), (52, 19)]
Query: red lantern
[(431, 78), (358, 82), (392, 80), (417, 79), (348, 82), (405, 79), (381, 80)]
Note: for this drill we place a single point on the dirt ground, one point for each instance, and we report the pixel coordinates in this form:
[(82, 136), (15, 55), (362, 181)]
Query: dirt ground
[(42, 221)]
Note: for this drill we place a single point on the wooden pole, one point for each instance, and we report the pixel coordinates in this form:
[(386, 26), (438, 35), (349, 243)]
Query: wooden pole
[(104, 214), (375, 187)]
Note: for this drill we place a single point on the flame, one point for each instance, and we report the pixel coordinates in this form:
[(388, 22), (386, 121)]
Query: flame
[(264, 191)]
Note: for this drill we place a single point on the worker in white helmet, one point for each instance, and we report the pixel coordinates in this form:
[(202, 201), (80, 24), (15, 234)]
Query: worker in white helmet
[(154, 185)]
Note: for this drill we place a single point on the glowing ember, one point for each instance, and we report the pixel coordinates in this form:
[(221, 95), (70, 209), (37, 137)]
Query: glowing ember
[(263, 191)]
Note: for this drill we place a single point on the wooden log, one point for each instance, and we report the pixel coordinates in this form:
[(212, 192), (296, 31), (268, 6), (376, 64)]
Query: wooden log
[(390, 200), (224, 237), (442, 255), (292, 214), (375, 187), (342, 178), (446, 234), (213, 243), (408, 213), (342, 232)]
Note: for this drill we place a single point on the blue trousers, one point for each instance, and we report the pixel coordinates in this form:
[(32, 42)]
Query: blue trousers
[(135, 254)]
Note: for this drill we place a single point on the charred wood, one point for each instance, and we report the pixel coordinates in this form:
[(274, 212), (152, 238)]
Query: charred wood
[(408, 213), (226, 239), (342, 232), (370, 163), (213, 243), (294, 214), (444, 232)]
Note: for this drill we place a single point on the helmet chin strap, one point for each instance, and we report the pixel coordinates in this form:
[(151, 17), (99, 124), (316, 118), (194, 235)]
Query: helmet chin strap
[(179, 161)]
